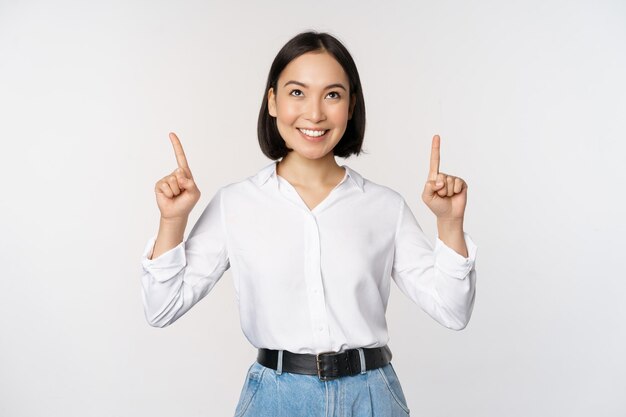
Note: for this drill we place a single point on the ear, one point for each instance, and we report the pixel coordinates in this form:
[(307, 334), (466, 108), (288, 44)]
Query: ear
[(352, 104), (271, 102)]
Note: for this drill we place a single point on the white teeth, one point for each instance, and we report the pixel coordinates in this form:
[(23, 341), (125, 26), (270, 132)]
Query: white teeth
[(313, 133)]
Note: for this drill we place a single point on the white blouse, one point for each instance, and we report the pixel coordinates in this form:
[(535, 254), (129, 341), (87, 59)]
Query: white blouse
[(310, 281)]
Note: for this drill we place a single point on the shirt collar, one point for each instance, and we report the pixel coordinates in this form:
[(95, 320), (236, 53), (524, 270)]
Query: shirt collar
[(269, 171)]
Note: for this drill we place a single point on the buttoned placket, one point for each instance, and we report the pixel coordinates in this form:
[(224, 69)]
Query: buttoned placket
[(314, 283), (313, 265)]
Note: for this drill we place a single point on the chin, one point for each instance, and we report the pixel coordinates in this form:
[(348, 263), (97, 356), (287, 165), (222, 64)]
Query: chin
[(311, 155)]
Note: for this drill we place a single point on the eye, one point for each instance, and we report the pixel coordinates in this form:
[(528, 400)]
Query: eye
[(296, 91), (337, 95)]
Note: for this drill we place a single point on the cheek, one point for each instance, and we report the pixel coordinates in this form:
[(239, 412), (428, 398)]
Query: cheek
[(287, 114), (340, 114)]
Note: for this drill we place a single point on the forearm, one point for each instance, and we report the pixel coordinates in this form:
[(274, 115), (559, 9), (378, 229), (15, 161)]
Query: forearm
[(451, 233), (171, 233)]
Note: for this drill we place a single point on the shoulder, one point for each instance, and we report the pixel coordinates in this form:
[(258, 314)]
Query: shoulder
[(381, 190), (250, 183), (374, 189), (382, 198)]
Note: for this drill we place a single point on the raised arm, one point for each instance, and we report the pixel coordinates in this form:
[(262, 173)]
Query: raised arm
[(441, 280), (176, 274)]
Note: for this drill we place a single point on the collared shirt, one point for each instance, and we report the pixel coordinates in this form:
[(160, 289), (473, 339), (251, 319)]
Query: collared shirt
[(310, 281)]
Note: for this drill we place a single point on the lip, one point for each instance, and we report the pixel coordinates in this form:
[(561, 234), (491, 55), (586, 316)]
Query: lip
[(312, 139)]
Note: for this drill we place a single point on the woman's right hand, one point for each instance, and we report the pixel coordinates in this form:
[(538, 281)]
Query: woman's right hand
[(177, 193)]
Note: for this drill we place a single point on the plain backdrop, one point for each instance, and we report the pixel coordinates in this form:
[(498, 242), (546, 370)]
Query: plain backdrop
[(529, 99)]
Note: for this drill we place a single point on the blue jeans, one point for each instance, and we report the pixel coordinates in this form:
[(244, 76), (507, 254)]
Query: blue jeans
[(270, 393)]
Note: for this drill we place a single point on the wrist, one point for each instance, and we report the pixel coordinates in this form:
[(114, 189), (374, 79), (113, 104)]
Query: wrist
[(173, 220), (450, 224), (451, 233), (173, 225)]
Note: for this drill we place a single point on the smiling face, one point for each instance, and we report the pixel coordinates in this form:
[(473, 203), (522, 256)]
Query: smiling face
[(312, 104)]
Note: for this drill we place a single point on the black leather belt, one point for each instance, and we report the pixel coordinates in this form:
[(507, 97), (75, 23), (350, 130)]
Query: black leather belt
[(326, 365)]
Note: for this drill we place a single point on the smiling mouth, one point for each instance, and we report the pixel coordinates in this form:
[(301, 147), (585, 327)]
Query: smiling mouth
[(313, 133)]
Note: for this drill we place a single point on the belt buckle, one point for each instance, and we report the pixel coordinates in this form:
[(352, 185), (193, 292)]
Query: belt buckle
[(319, 371)]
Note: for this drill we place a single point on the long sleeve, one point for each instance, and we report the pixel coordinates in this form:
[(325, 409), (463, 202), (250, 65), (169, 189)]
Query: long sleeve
[(440, 281), (175, 281)]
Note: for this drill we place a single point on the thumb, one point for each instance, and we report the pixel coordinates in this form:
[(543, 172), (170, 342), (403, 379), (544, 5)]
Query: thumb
[(183, 181), (432, 187)]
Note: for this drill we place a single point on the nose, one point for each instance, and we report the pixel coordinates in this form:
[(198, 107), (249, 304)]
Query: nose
[(315, 112)]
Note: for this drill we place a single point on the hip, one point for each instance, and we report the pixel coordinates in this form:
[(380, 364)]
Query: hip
[(375, 392)]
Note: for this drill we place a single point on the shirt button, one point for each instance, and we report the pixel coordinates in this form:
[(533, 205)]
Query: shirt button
[(321, 328)]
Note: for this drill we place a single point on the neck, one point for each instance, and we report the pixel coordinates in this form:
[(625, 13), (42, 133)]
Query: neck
[(309, 172)]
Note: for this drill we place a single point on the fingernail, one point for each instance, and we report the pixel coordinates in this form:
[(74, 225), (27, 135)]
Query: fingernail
[(439, 184)]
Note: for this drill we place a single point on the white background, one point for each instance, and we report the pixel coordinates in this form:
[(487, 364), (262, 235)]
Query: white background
[(529, 99)]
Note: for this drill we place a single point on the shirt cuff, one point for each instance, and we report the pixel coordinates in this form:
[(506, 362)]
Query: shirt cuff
[(451, 262), (167, 265)]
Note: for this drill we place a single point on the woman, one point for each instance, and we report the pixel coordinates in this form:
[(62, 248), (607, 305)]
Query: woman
[(312, 245)]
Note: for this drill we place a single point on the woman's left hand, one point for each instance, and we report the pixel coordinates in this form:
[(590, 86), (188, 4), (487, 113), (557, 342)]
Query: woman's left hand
[(445, 195)]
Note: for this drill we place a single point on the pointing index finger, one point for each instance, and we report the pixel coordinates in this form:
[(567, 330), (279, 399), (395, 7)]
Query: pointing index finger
[(434, 158), (180, 154)]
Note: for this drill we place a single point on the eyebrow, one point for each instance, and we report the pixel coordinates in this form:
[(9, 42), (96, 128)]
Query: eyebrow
[(337, 85)]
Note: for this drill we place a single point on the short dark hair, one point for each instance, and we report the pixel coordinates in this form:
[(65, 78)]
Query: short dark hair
[(272, 144)]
